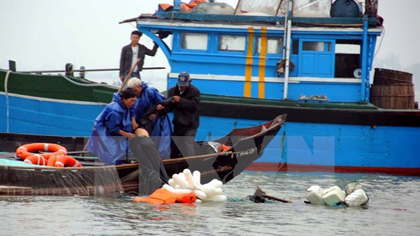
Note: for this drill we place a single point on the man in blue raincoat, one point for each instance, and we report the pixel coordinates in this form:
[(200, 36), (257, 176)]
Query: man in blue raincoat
[(112, 129), (160, 130)]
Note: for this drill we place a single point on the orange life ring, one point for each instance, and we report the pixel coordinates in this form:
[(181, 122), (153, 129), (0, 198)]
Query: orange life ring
[(64, 160), (36, 160), (26, 150), (52, 160)]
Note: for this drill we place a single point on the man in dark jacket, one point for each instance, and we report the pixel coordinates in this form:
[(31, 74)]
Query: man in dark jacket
[(132, 52), (186, 116)]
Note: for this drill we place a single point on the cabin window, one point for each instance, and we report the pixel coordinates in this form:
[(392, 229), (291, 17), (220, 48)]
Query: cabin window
[(194, 41), (274, 45), (233, 43), (347, 58), (316, 46)]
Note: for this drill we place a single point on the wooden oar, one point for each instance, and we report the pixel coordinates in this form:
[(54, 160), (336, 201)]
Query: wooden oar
[(129, 74), (119, 90)]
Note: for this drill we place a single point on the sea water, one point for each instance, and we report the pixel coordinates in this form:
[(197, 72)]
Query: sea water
[(393, 209)]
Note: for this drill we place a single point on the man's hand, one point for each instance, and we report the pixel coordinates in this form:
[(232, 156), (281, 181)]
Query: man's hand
[(122, 78), (159, 107), (127, 135), (176, 99), (134, 125), (152, 116)]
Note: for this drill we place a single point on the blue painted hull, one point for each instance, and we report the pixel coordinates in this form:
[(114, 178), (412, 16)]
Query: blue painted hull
[(298, 145), (47, 117), (330, 145)]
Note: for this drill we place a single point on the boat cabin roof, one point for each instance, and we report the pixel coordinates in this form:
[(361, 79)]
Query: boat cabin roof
[(156, 22)]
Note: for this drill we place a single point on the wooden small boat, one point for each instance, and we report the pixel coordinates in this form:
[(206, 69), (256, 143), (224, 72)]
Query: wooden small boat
[(95, 179)]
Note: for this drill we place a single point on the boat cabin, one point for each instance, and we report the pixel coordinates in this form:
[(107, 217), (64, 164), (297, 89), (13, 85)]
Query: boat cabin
[(296, 53)]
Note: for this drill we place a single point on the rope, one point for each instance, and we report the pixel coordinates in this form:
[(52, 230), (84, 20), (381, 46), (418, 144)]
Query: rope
[(380, 44), (6, 80)]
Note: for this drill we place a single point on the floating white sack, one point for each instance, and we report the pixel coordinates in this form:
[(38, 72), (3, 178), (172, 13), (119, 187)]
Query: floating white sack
[(351, 187), (356, 198), (333, 196), (314, 195)]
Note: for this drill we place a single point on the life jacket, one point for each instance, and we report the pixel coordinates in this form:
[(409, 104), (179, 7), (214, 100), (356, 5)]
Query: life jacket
[(188, 7), (163, 196)]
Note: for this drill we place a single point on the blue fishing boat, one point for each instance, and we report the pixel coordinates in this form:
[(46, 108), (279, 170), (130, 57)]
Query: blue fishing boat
[(310, 59), (300, 59)]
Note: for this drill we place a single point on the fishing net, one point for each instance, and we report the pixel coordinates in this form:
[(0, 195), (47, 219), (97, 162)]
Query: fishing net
[(36, 180)]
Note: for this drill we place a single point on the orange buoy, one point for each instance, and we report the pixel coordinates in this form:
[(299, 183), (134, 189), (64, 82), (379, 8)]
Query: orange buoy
[(64, 160), (163, 196), (26, 150), (36, 160)]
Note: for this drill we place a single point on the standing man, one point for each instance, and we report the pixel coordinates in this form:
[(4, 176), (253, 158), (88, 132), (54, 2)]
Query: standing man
[(132, 52), (186, 116)]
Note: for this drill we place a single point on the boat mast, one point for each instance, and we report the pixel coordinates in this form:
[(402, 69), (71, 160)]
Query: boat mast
[(365, 80), (287, 21)]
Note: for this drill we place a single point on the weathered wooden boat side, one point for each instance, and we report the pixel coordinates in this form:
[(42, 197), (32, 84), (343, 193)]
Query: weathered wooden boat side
[(247, 145)]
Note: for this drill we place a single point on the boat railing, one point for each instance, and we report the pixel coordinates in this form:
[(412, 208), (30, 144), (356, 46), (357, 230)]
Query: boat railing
[(69, 71)]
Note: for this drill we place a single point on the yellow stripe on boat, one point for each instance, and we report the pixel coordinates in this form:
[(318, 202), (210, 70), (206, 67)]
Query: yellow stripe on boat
[(248, 63), (263, 54)]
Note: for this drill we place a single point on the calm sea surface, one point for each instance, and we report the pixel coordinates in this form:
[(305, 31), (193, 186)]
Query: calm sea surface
[(394, 209)]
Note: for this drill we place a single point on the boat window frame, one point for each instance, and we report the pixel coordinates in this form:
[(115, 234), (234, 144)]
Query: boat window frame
[(179, 42), (256, 48), (217, 37), (326, 43)]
